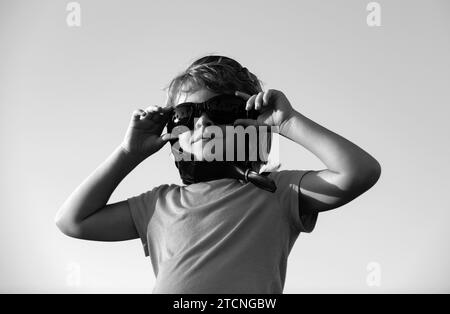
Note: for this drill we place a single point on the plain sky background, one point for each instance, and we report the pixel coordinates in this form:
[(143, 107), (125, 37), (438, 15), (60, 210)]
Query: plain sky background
[(66, 95)]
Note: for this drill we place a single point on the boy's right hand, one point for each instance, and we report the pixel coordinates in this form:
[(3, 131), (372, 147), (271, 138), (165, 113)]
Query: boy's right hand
[(143, 137)]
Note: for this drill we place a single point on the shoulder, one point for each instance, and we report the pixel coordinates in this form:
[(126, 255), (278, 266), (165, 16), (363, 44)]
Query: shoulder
[(164, 189), (156, 192)]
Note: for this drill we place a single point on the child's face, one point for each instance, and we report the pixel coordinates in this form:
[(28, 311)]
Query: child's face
[(195, 141)]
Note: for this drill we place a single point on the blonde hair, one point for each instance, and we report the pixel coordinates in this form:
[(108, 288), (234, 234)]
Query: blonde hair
[(219, 74)]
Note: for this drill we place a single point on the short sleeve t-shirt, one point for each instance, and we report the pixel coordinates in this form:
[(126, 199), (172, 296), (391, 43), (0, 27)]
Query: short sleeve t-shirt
[(221, 236)]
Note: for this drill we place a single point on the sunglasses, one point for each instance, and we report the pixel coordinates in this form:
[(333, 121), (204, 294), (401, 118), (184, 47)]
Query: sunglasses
[(221, 110)]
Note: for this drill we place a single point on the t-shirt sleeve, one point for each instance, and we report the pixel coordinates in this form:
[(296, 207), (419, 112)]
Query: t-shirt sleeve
[(288, 192), (142, 208)]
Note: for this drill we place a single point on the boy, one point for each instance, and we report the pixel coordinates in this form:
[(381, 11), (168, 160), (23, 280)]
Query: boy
[(218, 234)]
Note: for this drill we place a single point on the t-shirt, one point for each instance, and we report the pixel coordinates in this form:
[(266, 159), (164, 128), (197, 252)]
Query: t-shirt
[(223, 236)]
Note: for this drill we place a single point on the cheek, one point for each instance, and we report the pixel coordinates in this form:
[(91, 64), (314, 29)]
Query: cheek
[(184, 140), (182, 148), (217, 146), (188, 149)]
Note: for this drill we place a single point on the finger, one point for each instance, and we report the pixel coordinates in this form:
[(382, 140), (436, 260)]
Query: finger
[(138, 114), (266, 97), (168, 136), (151, 109), (174, 136), (255, 122), (246, 122), (154, 112), (167, 109), (242, 95), (159, 141), (159, 112), (163, 110), (258, 101), (250, 103)]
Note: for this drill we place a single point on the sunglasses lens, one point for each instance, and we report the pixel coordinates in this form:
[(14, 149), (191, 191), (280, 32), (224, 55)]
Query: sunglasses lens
[(181, 116), (227, 109), (221, 109)]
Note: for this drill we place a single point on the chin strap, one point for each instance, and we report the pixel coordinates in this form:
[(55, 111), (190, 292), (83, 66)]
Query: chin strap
[(192, 172), (261, 181)]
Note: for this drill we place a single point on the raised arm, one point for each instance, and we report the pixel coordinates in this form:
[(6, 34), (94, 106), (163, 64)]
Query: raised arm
[(85, 214), (350, 170)]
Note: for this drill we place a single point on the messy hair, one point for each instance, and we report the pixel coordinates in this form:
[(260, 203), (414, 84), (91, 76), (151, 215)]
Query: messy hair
[(221, 75)]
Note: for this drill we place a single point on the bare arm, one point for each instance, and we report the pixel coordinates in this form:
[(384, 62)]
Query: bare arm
[(350, 170), (85, 214)]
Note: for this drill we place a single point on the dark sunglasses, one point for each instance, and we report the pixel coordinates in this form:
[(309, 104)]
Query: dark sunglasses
[(221, 109)]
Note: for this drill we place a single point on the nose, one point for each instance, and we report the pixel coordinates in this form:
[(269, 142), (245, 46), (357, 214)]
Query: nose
[(203, 121)]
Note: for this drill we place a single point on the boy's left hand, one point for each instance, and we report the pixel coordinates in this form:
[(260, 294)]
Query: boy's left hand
[(274, 106)]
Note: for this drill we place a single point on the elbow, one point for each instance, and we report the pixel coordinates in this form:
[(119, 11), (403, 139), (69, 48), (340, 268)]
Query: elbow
[(361, 178), (66, 226), (373, 173), (61, 225), (368, 176)]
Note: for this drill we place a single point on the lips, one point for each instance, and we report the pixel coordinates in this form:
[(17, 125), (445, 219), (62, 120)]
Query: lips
[(197, 139), (200, 136)]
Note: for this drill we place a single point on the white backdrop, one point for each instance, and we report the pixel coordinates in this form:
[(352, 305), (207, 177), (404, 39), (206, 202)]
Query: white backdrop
[(66, 94)]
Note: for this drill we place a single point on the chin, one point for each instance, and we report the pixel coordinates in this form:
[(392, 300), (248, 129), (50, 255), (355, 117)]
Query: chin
[(199, 151)]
